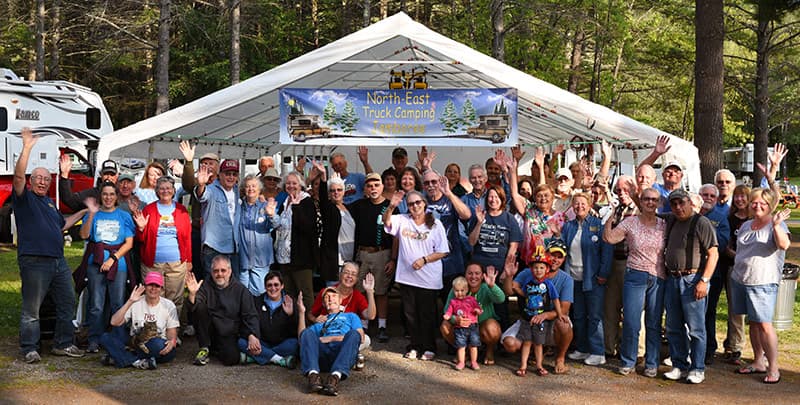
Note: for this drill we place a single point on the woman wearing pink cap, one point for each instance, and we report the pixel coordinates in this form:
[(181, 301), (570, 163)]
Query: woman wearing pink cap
[(153, 319)]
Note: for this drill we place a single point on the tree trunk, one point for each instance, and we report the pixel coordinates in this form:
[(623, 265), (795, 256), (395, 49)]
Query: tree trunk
[(40, 53), (761, 102), (162, 59), (498, 30), (575, 60), (367, 10), (55, 40), (236, 10), (384, 9), (315, 21), (708, 95)]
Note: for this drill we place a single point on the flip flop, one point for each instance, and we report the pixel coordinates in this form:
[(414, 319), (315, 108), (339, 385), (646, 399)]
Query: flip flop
[(749, 370), (770, 379), (521, 372), (488, 362), (541, 372)]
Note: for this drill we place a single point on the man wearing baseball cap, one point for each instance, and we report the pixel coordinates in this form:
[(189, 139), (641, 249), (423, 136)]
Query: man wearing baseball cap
[(220, 212), (671, 173), (561, 336), (108, 172), (136, 317), (564, 183)]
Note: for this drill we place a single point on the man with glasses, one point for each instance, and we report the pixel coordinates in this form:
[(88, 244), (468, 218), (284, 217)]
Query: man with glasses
[(220, 211), (690, 257), (718, 215), (224, 312), (375, 249), (40, 256), (563, 197), (449, 209), (671, 173), (726, 182)]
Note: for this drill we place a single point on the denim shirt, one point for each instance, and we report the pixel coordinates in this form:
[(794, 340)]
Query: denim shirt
[(255, 238), (217, 230), (597, 255)]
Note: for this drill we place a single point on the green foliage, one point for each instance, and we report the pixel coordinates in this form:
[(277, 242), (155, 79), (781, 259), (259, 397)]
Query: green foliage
[(349, 118), (449, 118)]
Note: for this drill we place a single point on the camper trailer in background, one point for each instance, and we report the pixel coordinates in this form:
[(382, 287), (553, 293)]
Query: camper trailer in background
[(69, 119), (302, 127), (493, 126), (740, 160)]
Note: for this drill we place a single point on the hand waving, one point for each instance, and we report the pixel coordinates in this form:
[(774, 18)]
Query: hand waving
[(288, 304)]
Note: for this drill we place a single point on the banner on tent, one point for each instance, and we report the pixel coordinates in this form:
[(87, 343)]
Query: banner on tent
[(470, 117)]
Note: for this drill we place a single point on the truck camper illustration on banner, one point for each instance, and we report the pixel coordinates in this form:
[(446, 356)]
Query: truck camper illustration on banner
[(467, 117)]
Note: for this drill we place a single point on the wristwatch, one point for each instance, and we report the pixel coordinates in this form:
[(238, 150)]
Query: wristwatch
[(705, 279)]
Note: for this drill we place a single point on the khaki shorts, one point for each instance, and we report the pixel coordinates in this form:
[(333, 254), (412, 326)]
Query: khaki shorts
[(375, 263)]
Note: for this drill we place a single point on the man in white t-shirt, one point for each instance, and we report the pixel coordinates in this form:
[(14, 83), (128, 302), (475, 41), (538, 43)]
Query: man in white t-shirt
[(153, 326)]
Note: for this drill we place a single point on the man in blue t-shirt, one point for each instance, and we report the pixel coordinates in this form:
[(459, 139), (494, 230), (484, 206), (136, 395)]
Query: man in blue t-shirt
[(42, 266), (330, 344), (353, 182)]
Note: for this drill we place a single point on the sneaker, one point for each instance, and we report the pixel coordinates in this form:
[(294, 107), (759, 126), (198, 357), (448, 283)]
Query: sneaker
[(107, 360), (360, 362), (696, 377), (382, 336), (576, 355), (140, 364), (314, 382), (93, 347), (32, 357), (201, 359), (331, 386), (428, 356), (188, 330), (650, 372), (667, 361), (151, 363), (595, 360), (675, 374), (624, 370), (69, 351), (289, 362)]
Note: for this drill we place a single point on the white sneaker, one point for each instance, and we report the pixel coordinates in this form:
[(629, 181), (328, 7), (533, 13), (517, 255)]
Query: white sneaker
[(696, 377), (595, 360), (667, 361), (576, 355), (675, 374)]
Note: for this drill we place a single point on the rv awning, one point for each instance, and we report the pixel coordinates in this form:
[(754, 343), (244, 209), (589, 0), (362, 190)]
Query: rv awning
[(241, 121)]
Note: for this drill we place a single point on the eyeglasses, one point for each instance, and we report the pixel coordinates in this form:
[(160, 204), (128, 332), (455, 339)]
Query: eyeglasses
[(724, 182), (45, 179), (273, 285), (336, 190), (415, 203), (560, 179), (650, 199), (430, 182)]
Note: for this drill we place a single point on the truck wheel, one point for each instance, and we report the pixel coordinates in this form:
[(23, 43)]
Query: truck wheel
[(300, 138), (471, 134), (496, 138)]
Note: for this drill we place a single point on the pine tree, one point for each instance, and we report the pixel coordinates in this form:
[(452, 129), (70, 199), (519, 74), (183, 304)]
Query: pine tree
[(349, 119), (329, 114), (449, 117), (468, 117)]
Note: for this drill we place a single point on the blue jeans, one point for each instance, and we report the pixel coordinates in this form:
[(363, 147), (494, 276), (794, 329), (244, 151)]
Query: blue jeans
[(641, 290), (333, 356), (253, 279), (684, 311), (286, 348), (97, 288), (587, 319), (209, 254), (469, 336), (114, 342), (40, 275)]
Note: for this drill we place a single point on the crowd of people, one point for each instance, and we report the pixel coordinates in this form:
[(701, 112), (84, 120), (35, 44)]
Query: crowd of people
[(290, 270)]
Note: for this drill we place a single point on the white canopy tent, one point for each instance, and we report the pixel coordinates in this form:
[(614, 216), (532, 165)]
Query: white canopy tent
[(242, 121)]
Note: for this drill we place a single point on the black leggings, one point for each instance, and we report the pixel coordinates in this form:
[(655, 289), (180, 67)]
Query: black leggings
[(420, 309)]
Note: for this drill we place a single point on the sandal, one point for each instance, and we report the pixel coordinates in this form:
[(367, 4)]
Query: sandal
[(521, 372), (751, 369), (488, 362), (772, 378), (411, 354), (428, 356), (541, 372)]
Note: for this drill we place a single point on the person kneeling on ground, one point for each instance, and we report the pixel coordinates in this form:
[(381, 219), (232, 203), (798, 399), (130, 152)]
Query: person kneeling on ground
[(154, 328), (223, 312), (331, 345), (277, 318)]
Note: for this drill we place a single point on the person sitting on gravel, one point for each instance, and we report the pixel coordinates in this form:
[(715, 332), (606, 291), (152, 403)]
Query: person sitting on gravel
[(331, 345), (353, 301), (153, 326), (277, 318), (223, 312)]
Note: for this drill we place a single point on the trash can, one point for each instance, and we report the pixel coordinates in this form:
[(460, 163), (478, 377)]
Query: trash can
[(784, 308)]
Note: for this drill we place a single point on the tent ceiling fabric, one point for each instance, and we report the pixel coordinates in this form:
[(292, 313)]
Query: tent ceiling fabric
[(242, 121)]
